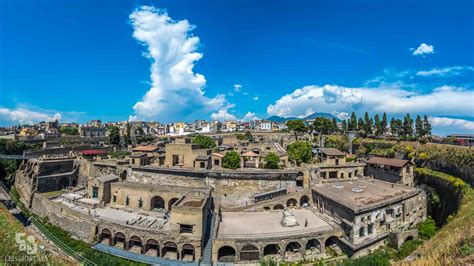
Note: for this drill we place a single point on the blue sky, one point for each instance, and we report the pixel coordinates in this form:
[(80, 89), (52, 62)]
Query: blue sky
[(118, 60)]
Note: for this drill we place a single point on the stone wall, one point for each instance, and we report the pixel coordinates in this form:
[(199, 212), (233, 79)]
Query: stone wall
[(80, 226)]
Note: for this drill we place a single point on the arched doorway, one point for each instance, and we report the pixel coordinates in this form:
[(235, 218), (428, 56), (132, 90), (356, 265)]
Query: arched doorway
[(291, 203), (278, 207), (267, 208), (171, 202), (408, 238), (249, 252), (332, 245), (170, 251), (152, 247), (312, 247), (304, 201), (271, 251), (293, 251), (187, 252), (63, 183), (105, 234), (135, 244), (120, 238), (226, 254), (157, 203)]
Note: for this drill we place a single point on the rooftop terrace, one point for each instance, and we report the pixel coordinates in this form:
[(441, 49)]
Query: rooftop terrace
[(267, 224), (362, 194)]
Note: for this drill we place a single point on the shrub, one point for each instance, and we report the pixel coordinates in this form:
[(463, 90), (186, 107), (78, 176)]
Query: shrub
[(231, 160), (427, 229), (271, 161), (300, 152)]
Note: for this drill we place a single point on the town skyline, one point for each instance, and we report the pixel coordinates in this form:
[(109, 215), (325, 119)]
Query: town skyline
[(169, 65)]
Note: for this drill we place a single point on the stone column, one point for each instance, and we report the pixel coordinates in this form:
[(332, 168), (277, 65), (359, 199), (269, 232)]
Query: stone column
[(322, 246)]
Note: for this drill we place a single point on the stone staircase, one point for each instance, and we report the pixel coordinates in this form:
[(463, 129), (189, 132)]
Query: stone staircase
[(207, 251)]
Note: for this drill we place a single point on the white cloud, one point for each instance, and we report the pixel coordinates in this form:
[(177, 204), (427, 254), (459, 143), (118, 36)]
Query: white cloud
[(176, 92), (445, 72), (223, 115), (393, 100), (255, 98), (26, 116), (250, 116), (237, 87), (245, 93), (452, 123), (341, 115), (423, 49)]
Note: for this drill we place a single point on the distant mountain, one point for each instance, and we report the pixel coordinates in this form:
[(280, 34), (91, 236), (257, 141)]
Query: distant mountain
[(279, 119)]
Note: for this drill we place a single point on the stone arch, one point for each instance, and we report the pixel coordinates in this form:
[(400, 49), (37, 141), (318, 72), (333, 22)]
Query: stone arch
[(312, 246), (278, 207), (226, 254), (170, 251), (135, 244), (63, 183), (333, 244), (188, 252), (171, 202), (105, 234), (272, 250), (120, 237), (291, 202), (304, 200), (249, 253), (152, 244), (267, 208), (156, 203), (408, 238), (293, 251)]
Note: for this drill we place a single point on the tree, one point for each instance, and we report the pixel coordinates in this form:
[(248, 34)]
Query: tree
[(361, 126), (297, 126), (419, 129), (378, 126), (272, 161), (69, 130), (323, 125), (344, 126), (426, 126), (353, 122), (249, 136), (367, 124), (407, 126), (205, 142), (384, 123), (231, 160), (334, 125), (114, 135), (300, 152), (396, 127)]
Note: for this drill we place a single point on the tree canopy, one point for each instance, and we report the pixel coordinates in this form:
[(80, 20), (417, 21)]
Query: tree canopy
[(324, 125), (205, 142), (300, 152), (114, 135), (231, 160), (297, 126), (271, 161)]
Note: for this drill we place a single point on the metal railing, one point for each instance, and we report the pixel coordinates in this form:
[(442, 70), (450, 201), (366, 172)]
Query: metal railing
[(276, 234), (68, 250)]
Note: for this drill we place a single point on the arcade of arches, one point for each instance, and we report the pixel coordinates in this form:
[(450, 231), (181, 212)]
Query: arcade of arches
[(288, 250), (151, 247)]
